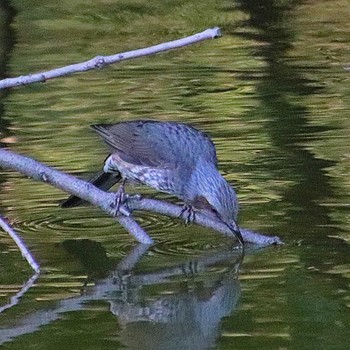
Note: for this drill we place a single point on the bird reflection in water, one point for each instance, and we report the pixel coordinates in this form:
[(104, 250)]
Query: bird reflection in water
[(176, 307)]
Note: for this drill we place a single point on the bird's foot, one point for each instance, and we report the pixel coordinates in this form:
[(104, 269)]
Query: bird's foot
[(188, 214), (120, 199)]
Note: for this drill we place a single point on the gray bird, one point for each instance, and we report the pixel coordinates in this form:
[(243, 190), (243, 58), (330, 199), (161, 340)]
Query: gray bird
[(171, 157)]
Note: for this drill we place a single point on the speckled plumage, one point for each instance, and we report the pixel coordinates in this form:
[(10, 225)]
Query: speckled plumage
[(171, 157)]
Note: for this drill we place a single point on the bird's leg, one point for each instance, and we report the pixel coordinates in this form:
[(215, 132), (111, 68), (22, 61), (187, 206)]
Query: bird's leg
[(120, 197), (188, 213)]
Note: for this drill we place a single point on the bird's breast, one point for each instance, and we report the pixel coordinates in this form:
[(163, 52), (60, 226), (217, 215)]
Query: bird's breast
[(161, 179)]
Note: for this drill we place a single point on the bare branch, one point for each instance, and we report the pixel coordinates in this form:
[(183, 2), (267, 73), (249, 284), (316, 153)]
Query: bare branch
[(101, 61), (106, 201), (169, 209), (72, 185), (20, 244)]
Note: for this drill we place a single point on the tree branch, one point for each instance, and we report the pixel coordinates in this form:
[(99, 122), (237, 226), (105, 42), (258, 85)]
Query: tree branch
[(20, 244), (170, 209), (106, 201), (101, 61), (72, 185)]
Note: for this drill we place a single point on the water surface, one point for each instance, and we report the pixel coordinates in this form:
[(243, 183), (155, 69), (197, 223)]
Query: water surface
[(274, 96)]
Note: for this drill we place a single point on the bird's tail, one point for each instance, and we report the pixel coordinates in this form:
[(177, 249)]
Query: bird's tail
[(102, 180)]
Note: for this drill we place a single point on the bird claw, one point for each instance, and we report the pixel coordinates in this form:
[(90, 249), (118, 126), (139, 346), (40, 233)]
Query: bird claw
[(120, 199), (188, 214)]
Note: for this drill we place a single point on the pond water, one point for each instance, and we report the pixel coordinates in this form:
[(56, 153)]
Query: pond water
[(274, 95)]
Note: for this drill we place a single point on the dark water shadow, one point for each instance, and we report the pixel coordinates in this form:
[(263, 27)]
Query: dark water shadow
[(7, 42), (283, 88)]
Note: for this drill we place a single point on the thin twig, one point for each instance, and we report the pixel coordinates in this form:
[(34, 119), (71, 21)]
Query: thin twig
[(20, 244), (101, 61)]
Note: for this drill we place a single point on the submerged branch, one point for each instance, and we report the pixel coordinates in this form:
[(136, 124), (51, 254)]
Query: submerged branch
[(101, 61)]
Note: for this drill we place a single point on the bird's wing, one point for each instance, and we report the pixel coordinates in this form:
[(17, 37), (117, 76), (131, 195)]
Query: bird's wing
[(156, 144), (135, 143)]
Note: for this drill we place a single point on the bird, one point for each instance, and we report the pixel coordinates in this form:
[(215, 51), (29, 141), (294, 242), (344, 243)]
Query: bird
[(171, 157)]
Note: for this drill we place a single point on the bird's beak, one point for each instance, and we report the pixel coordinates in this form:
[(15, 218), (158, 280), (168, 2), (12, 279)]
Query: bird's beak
[(234, 228), (236, 231)]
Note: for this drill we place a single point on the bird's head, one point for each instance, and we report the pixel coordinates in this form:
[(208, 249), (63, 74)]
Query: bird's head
[(218, 197)]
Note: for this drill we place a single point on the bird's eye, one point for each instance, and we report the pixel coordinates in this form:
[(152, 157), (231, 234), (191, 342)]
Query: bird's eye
[(213, 210)]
